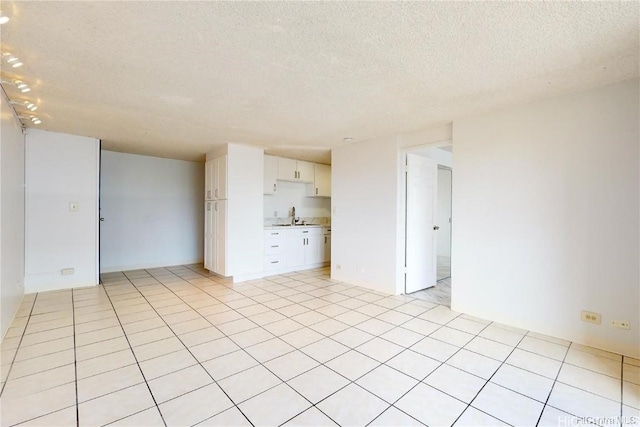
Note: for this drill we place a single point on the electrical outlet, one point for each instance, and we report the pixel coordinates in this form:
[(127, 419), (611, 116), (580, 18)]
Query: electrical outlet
[(591, 317), (621, 324), (67, 271)]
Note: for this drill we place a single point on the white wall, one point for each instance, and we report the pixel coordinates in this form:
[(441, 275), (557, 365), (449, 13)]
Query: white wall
[(245, 228), (364, 184), (11, 216), (546, 212), (153, 212), (295, 194), (61, 169), (367, 218)]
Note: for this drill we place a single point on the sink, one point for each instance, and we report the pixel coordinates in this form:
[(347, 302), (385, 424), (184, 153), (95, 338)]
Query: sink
[(281, 225)]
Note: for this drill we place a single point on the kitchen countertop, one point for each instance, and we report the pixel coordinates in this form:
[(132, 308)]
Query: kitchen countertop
[(288, 227)]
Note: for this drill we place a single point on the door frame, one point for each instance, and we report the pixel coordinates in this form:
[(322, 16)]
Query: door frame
[(450, 169), (401, 230)]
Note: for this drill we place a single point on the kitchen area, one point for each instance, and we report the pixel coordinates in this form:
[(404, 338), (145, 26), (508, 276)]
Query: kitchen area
[(265, 214)]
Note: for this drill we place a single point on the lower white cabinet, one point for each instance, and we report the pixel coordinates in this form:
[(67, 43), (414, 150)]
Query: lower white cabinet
[(326, 246), (304, 247), (274, 250), (215, 236), (295, 248)]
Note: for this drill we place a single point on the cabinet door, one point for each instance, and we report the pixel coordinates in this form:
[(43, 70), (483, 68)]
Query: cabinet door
[(220, 171), (208, 180), (208, 235), (326, 255), (314, 249), (287, 169), (305, 171), (220, 265), (322, 180), (270, 174), (295, 249)]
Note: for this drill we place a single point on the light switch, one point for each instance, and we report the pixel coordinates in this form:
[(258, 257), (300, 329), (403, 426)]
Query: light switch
[(73, 207)]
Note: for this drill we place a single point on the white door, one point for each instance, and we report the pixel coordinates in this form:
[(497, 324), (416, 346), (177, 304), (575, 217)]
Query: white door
[(220, 248), (421, 242), (208, 236)]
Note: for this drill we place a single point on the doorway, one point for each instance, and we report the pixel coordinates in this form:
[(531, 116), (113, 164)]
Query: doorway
[(427, 205)]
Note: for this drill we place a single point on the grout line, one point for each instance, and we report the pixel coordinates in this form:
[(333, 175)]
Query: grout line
[(555, 381), (75, 360), (13, 359), (136, 359), (192, 355)]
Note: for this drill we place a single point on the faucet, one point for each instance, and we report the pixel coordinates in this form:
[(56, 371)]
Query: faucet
[(293, 215)]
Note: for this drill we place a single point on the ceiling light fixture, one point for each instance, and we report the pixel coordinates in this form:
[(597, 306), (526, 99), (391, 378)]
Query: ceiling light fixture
[(11, 59), (32, 119), (22, 86), (3, 18), (26, 104)]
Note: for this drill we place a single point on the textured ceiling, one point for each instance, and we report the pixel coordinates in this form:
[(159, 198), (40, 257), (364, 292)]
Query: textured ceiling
[(173, 79)]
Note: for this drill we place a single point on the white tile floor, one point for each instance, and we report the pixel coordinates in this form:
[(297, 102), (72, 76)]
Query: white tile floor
[(177, 346)]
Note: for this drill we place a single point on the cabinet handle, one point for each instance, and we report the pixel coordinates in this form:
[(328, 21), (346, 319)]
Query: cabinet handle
[(305, 231), (274, 187), (208, 194), (275, 246), (208, 207), (316, 191), (274, 262), (216, 206), (274, 234), (325, 240)]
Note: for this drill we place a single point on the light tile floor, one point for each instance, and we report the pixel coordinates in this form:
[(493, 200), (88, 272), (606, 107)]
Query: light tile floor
[(177, 346)]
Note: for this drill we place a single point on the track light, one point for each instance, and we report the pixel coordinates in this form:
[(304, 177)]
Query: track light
[(32, 119), (11, 59), (3, 18), (22, 86), (26, 104)]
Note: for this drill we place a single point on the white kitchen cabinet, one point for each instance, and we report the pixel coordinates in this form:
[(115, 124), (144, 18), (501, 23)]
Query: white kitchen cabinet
[(326, 246), (215, 236), (270, 174), (274, 250), (321, 181), (305, 171), (295, 249), (304, 247), (295, 170), (208, 235), (216, 178)]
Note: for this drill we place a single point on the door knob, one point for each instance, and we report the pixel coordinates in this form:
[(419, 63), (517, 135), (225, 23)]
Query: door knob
[(436, 227)]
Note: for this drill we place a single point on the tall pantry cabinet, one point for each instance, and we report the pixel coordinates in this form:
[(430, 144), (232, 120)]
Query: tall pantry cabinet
[(233, 229), (215, 230)]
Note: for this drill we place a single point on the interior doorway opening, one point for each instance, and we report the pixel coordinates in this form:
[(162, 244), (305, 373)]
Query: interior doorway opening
[(428, 222)]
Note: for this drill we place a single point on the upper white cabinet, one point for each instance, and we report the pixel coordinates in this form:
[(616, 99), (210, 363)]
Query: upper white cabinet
[(321, 181), (215, 187), (270, 174), (295, 170)]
